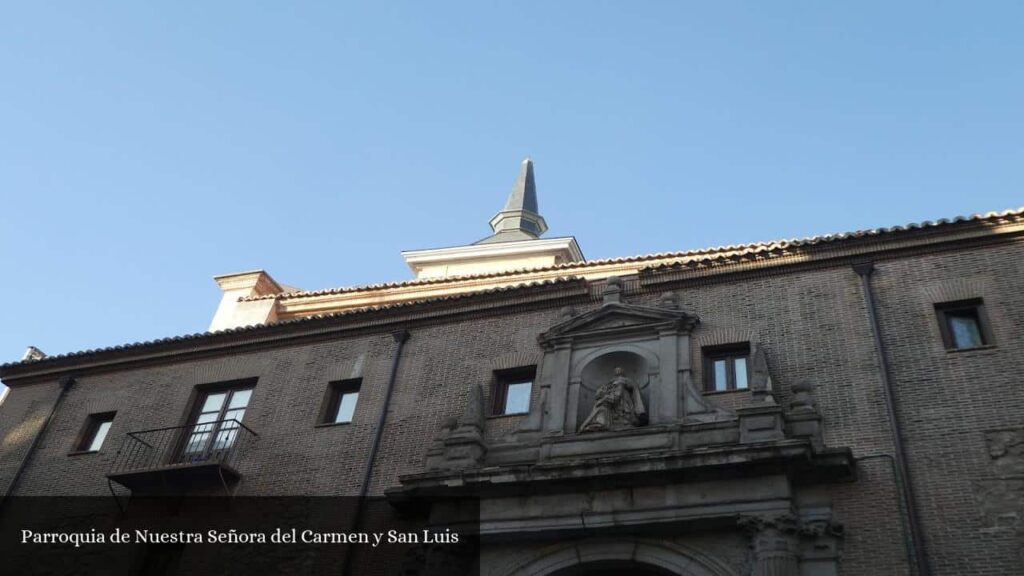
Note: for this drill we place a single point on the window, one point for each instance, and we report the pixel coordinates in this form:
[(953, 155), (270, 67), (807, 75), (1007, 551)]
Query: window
[(214, 426), (726, 367), (97, 426), (963, 324), (512, 389), (340, 405)]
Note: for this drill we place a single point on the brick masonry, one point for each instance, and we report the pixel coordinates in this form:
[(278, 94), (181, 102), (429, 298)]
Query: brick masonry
[(961, 412)]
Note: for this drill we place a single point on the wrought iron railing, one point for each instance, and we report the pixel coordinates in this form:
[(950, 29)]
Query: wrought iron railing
[(219, 442)]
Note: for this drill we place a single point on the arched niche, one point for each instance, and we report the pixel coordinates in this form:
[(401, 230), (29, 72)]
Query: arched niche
[(641, 369)]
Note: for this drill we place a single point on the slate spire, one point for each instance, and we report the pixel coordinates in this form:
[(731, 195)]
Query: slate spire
[(519, 219)]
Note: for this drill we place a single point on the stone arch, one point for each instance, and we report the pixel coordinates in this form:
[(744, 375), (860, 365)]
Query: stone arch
[(581, 362), (656, 554)]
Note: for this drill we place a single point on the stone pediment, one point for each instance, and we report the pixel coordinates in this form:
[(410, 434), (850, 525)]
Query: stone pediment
[(617, 317)]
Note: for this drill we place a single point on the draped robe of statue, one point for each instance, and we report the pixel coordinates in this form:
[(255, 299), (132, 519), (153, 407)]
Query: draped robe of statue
[(618, 404)]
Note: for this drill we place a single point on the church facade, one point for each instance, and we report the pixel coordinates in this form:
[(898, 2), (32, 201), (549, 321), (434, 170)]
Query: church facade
[(847, 404)]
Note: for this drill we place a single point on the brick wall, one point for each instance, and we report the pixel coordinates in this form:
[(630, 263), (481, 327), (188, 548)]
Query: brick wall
[(812, 323)]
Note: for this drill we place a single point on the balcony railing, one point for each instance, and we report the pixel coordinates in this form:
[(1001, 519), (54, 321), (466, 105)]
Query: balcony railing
[(168, 454)]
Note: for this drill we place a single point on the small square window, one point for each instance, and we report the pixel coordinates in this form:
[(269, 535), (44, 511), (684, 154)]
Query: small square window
[(512, 391), (340, 405), (963, 324), (97, 426), (725, 367)]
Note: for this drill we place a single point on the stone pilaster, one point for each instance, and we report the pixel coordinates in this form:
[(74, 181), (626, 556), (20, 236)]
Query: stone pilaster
[(775, 544)]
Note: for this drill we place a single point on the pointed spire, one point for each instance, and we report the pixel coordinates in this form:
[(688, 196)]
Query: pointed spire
[(524, 193), (519, 219)]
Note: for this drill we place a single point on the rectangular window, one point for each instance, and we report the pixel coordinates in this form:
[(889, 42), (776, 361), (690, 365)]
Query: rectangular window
[(963, 324), (725, 367), (214, 425), (512, 390), (97, 426), (340, 404)]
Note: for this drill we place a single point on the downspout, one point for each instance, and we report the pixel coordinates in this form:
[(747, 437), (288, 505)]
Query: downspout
[(900, 466), (65, 385), (400, 338)]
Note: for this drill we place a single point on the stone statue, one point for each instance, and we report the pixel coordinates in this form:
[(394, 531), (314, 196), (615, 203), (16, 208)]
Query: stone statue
[(618, 405)]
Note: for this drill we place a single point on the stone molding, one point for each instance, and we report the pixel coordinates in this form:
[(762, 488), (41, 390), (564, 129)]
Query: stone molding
[(670, 556)]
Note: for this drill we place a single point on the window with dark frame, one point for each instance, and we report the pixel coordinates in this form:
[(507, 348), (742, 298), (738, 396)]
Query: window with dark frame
[(341, 401), (216, 417), (963, 324), (726, 367), (97, 426), (512, 390)]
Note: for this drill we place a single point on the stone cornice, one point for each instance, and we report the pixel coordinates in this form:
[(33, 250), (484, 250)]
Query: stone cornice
[(795, 456), (502, 250)]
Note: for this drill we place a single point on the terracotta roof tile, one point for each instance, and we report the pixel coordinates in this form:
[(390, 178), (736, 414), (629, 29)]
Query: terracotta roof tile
[(701, 254)]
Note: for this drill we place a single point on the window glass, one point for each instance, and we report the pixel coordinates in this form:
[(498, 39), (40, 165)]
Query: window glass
[(207, 417), (725, 367), (99, 436), (240, 399), (214, 402), (234, 415), (517, 397), (963, 326), (216, 424), (346, 407), (510, 392), (741, 372), (721, 377)]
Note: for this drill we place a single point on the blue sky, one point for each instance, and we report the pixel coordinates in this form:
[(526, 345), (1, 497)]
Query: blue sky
[(145, 148)]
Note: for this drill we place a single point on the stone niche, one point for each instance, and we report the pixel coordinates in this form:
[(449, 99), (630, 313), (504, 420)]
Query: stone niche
[(638, 369), (651, 346)]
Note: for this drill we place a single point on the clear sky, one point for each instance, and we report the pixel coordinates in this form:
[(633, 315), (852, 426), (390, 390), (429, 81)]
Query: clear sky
[(145, 147)]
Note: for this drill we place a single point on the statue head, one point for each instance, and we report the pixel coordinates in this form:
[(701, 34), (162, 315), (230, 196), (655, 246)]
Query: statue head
[(619, 372)]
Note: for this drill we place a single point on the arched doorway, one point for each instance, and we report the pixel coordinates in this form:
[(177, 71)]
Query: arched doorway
[(617, 556)]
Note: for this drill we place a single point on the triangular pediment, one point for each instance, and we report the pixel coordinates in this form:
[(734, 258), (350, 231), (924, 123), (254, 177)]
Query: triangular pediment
[(616, 316)]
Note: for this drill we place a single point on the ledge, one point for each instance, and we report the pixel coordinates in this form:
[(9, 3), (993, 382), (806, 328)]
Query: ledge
[(510, 415), (974, 349), (796, 458)]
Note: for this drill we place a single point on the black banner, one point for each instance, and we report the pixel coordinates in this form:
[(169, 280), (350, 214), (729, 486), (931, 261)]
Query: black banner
[(244, 535)]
